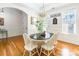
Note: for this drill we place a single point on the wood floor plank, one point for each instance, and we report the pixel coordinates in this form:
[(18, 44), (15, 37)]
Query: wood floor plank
[(14, 46)]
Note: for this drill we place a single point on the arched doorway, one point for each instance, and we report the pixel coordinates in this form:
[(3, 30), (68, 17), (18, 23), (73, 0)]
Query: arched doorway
[(15, 21), (20, 7)]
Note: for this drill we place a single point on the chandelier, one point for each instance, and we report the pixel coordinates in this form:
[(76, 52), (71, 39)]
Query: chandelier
[(2, 11), (42, 12)]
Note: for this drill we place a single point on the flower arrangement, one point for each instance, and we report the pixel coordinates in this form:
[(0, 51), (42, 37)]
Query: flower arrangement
[(40, 25)]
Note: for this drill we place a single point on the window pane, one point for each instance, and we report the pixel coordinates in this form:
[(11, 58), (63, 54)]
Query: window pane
[(70, 28), (65, 28), (69, 18)]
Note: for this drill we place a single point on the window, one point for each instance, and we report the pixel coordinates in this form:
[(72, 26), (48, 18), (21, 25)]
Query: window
[(69, 22)]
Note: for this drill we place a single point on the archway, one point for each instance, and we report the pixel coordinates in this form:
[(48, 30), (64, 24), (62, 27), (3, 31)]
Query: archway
[(15, 21), (18, 6)]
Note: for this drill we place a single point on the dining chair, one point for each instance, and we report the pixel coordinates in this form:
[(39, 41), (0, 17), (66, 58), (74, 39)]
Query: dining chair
[(49, 46), (29, 46)]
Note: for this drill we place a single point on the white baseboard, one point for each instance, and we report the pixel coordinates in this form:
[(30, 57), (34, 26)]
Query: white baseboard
[(71, 38)]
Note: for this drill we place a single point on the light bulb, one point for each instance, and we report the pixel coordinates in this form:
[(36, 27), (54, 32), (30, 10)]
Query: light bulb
[(1, 13)]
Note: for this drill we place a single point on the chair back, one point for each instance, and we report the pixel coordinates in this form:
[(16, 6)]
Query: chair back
[(52, 40), (26, 39)]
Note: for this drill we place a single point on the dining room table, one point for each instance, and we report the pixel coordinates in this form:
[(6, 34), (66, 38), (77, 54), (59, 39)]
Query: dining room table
[(40, 39)]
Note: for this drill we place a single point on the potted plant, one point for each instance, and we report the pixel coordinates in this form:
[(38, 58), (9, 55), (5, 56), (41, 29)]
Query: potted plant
[(39, 26)]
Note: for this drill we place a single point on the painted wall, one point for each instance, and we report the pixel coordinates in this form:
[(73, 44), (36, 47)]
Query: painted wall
[(31, 28), (27, 10), (25, 22), (54, 27), (71, 38), (13, 21)]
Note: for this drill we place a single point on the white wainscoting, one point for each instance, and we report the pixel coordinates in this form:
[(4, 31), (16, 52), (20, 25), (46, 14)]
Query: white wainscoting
[(71, 38)]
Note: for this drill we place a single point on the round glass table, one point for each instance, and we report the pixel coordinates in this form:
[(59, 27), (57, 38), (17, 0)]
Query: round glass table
[(40, 38)]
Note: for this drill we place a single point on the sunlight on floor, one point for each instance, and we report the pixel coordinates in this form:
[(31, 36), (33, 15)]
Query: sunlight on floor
[(67, 52)]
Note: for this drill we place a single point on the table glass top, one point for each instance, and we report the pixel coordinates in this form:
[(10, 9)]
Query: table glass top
[(40, 36)]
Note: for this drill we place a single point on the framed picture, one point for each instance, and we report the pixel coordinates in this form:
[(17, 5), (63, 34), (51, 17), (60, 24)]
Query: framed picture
[(54, 20), (33, 20), (1, 21), (54, 17)]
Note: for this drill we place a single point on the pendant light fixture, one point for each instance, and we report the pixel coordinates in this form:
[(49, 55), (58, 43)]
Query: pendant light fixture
[(42, 12), (2, 11)]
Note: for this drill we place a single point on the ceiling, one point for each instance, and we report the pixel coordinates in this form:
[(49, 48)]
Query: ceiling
[(37, 7)]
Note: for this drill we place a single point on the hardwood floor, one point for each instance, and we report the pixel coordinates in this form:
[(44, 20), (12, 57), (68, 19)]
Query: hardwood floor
[(14, 46)]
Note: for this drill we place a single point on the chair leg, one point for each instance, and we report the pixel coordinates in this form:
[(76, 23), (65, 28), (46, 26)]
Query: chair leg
[(44, 52), (36, 51), (40, 50), (29, 53), (33, 54), (24, 52), (48, 53), (52, 51)]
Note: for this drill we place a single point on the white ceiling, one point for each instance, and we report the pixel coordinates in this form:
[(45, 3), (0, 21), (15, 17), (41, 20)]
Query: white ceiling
[(37, 7)]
